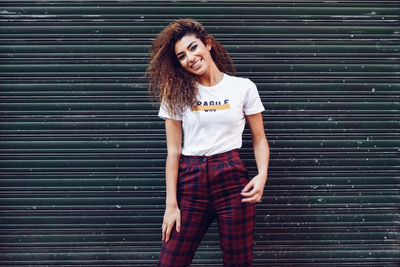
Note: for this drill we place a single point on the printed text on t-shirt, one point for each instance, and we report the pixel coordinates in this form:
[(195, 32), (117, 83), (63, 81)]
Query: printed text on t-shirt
[(211, 106)]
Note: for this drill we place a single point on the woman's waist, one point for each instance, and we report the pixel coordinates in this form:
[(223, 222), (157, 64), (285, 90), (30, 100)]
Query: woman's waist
[(228, 155)]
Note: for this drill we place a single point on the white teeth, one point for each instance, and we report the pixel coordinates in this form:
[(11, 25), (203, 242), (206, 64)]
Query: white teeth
[(197, 63)]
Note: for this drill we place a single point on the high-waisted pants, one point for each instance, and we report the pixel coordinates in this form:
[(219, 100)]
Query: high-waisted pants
[(209, 187)]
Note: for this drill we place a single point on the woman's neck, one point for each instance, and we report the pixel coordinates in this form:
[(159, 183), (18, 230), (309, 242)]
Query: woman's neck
[(211, 77)]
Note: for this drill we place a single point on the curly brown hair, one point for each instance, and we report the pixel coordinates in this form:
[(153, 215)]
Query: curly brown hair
[(168, 80)]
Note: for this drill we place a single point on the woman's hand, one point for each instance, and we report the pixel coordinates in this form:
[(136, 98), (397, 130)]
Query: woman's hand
[(254, 190), (172, 214)]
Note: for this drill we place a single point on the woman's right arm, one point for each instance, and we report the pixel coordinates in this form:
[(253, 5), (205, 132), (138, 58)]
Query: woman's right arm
[(173, 129)]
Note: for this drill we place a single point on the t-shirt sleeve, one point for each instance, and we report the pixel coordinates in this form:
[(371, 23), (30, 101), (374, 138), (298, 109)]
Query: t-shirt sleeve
[(163, 113), (252, 101)]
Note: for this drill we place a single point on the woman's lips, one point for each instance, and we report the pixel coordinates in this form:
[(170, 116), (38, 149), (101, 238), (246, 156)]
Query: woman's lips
[(195, 65)]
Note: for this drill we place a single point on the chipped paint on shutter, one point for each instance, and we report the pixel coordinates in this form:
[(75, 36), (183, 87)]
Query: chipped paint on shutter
[(83, 151)]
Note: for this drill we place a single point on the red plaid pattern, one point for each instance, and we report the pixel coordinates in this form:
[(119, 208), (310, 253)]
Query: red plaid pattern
[(209, 187)]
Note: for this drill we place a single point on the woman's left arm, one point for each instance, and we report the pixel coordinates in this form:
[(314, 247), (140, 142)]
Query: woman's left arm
[(254, 190)]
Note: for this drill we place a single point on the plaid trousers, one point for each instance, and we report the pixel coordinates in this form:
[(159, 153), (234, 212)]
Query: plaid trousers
[(209, 187)]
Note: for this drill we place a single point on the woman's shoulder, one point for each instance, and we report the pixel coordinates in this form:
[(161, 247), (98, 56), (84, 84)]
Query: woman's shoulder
[(241, 82)]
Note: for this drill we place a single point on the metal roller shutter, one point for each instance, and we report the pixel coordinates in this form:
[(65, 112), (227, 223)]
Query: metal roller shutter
[(82, 150)]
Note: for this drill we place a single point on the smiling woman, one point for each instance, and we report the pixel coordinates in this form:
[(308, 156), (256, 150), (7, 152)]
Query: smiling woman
[(169, 79), (205, 178)]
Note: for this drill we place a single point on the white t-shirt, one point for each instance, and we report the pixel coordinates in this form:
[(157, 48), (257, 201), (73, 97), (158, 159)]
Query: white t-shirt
[(217, 124)]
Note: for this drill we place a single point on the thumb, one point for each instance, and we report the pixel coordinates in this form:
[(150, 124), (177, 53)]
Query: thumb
[(248, 187), (178, 223)]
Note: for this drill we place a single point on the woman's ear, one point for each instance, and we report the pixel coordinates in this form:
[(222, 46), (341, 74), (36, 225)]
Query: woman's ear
[(208, 45)]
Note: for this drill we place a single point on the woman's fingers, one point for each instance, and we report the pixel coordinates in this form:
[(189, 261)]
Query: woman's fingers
[(248, 187), (171, 217), (249, 199), (249, 190), (253, 199), (252, 196), (164, 228), (253, 191), (168, 232), (178, 224), (249, 194)]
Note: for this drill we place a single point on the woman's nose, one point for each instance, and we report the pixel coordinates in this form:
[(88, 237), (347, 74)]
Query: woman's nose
[(190, 57)]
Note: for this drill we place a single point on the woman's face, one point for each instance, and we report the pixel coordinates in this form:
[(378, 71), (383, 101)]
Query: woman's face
[(193, 55)]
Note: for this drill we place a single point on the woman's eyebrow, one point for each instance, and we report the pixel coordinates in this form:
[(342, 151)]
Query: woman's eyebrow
[(186, 48)]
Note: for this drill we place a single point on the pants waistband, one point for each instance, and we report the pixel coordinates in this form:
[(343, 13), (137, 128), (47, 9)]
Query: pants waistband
[(216, 157)]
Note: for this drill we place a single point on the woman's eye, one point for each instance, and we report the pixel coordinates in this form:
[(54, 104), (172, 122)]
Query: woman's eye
[(183, 56)]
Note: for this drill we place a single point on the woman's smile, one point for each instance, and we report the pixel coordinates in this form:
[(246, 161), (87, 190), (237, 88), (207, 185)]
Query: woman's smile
[(196, 64)]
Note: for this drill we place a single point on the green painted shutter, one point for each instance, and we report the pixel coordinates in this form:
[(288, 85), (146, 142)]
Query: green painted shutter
[(83, 151)]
